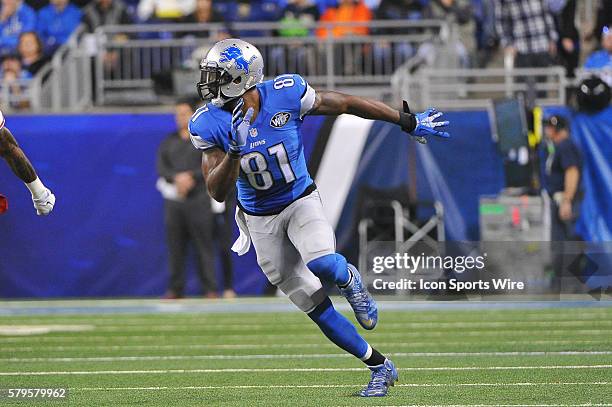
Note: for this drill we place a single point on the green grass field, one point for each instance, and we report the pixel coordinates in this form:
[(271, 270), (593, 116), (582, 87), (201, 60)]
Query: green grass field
[(503, 357)]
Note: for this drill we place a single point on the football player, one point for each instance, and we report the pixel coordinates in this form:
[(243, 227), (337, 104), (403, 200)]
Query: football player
[(42, 197), (249, 133)]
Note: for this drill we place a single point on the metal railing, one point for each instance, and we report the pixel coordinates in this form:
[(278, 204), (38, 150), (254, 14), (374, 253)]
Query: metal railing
[(70, 84), (63, 84), (17, 94), (604, 73), (124, 60), (475, 88), (129, 57), (26, 94)]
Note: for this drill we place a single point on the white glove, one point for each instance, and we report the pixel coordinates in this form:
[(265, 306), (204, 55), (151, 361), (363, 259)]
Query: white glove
[(241, 123), (44, 202), (43, 198)]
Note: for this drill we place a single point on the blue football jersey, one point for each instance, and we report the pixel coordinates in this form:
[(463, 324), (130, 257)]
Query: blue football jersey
[(273, 169)]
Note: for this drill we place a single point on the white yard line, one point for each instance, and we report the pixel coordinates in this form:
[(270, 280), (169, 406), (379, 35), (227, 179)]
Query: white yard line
[(293, 356), (401, 345), (214, 323), (527, 325), (317, 386), (30, 329), (156, 338), (276, 370), (85, 336), (176, 319)]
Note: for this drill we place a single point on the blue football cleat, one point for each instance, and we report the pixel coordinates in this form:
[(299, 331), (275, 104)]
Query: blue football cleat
[(361, 301), (383, 377)]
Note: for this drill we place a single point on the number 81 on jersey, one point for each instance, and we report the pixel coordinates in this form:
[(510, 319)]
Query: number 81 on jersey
[(256, 168)]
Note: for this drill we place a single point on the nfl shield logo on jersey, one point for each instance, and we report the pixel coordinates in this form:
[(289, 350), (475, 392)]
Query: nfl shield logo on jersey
[(253, 132), (280, 119)]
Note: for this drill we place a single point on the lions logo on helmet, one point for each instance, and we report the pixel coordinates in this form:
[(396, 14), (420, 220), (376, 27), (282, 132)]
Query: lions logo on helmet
[(232, 53)]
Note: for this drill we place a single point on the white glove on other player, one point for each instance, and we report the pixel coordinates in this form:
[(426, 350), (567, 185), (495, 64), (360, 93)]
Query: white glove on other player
[(44, 203), (42, 197)]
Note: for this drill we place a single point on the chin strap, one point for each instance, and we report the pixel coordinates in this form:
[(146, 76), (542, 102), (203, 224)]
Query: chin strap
[(222, 100), (217, 102)]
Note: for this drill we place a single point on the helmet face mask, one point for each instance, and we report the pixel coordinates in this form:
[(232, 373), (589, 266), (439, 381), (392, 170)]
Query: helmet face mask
[(212, 78), (229, 69)]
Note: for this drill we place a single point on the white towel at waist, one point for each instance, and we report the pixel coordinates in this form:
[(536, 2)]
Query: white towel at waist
[(243, 243)]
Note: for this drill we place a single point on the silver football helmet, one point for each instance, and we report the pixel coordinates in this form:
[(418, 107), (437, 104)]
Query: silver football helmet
[(230, 68)]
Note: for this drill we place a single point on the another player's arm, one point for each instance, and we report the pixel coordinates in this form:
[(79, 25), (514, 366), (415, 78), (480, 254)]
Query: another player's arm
[(15, 157), (220, 172), (419, 125), (42, 197)]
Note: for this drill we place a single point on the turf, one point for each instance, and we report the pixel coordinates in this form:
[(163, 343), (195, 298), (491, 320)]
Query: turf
[(488, 357)]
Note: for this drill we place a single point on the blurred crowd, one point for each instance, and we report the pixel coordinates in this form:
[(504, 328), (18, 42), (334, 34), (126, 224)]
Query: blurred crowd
[(535, 33)]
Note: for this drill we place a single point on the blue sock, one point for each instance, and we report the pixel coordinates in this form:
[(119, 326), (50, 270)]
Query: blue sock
[(331, 267), (339, 330)]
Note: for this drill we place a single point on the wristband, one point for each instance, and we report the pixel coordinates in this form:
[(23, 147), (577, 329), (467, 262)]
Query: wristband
[(36, 187), (233, 153), (407, 121), (233, 150)]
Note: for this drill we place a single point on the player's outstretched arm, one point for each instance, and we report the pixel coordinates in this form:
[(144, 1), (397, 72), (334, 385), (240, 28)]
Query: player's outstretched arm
[(419, 125), (10, 151), (336, 103)]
